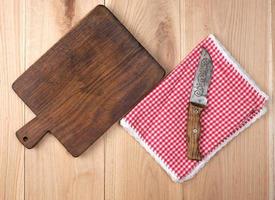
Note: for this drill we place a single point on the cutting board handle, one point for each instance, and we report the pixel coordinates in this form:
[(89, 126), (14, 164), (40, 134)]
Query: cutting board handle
[(32, 132)]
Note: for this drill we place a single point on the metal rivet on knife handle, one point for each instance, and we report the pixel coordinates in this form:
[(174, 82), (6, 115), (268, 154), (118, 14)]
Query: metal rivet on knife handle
[(193, 132)]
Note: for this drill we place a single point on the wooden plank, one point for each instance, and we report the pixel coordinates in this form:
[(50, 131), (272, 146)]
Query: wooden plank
[(52, 173), (272, 101), (155, 24), (131, 173), (239, 171), (12, 111)]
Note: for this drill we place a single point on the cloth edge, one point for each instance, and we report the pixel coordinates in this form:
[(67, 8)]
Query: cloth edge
[(130, 129), (223, 144), (237, 66), (246, 76), (125, 124)]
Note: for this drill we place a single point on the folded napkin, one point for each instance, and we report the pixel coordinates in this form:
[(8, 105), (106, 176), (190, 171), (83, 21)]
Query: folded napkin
[(159, 121)]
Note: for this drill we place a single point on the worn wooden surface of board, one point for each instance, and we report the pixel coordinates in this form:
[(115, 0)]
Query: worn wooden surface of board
[(86, 82), (117, 167)]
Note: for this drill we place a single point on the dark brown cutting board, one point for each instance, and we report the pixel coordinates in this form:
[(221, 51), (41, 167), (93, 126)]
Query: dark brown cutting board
[(86, 82)]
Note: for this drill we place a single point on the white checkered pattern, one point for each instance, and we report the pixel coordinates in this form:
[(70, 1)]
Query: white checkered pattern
[(159, 121)]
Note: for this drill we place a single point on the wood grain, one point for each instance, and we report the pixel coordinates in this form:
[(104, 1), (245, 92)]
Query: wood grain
[(78, 91), (11, 109), (169, 30), (239, 171), (131, 173), (271, 86), (194, 132), (50, 172)]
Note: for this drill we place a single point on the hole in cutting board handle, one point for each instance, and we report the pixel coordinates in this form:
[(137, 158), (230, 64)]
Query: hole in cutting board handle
[(25, 138), (32, 132)]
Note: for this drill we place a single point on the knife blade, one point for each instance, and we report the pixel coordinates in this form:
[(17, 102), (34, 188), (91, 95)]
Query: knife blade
[(198, 102)]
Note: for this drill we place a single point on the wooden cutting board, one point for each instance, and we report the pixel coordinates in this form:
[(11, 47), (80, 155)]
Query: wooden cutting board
[(86, 82)]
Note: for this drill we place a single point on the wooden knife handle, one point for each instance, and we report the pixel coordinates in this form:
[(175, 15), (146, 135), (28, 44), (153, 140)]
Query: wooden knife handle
[(32, 132), (194, 132)]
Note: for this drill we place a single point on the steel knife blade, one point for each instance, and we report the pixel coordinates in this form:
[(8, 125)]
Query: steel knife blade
[(198, 101)]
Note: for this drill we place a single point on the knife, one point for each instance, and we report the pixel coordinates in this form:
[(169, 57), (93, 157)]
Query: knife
[(198, 102)]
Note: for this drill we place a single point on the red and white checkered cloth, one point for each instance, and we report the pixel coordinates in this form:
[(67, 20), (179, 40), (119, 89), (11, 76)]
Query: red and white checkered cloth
[(159, 121)]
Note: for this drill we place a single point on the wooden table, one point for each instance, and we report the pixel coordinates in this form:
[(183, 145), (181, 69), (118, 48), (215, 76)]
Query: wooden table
[(117, 167)]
